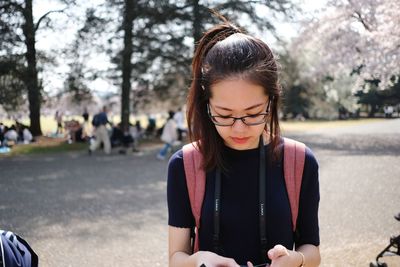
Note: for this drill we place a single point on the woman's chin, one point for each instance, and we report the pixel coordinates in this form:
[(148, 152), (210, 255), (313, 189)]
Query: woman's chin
[(241, 145)]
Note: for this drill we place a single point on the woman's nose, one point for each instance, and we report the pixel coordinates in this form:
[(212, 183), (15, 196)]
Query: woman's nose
[(239, 126)]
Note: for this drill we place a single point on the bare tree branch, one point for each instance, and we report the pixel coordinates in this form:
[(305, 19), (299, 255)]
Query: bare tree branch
[(357, 15), (45, 15)]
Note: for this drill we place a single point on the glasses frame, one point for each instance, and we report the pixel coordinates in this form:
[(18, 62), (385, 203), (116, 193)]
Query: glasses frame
[(243, 118)]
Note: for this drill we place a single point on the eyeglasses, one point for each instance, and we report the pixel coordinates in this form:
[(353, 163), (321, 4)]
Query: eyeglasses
[(249, 120)]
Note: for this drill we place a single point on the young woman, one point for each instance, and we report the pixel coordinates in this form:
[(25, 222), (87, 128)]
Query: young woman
[(232, 115)]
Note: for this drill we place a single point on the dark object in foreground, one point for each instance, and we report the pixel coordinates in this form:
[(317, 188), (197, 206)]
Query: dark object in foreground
[(393, 249), (16, 252)]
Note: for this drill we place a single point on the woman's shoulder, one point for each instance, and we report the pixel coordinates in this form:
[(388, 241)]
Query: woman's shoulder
[(175, 163), (311, 167), (309, 154), (310, 158)]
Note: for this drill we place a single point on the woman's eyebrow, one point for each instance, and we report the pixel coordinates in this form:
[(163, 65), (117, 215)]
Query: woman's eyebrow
[(249, 108)]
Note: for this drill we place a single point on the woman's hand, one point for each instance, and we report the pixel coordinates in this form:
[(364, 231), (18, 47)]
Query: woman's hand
[(282, 257), (210, 259)]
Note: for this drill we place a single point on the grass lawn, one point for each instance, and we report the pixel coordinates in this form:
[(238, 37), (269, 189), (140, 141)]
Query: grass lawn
[(51, 145), (44, 145), (304, 126)]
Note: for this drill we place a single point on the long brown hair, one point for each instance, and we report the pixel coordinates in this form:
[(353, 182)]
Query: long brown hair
[(225, 51)]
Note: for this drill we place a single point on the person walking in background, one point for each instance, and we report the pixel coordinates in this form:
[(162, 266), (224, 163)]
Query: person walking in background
[(99, 122), (179, 117), (169, 136), (86, 133), (234, 169), (85, 115), (59, 120), (2, 131), (151, 126), (136, 132)]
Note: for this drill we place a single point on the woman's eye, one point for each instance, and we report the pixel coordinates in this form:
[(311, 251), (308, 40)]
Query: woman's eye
[(224, 116), (253, 115)]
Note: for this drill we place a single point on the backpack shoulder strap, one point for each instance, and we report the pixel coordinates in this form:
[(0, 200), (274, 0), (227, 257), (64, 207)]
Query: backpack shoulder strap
[(293, 166), (196, 182)]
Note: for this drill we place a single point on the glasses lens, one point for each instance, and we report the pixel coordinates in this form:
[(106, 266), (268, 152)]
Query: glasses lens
[(255, 119), (222, 120), (229, 121)]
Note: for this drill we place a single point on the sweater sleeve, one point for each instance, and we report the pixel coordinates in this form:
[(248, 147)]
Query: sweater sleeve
[(179, 210), (307, 222)]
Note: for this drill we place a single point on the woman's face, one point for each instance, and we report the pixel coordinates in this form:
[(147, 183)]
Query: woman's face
[(238, 98)]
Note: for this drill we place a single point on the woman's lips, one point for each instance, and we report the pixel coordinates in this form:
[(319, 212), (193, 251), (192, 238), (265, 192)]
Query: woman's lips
[(240, 140)]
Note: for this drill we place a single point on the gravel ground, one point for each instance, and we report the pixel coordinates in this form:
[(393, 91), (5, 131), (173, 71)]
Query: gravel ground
[(77, 210)]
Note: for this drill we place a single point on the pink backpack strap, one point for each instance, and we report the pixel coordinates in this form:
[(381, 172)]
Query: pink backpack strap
[(196, 183), (293, 161)]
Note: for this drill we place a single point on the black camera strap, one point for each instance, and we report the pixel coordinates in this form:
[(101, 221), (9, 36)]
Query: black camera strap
[(262, 200), (217, 205)]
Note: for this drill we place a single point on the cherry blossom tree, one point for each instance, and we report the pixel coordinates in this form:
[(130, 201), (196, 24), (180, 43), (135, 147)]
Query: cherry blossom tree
[(359, 37)]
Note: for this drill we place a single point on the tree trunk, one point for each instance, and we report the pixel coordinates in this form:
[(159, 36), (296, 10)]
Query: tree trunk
[(372, 111), (31, 81), (126, 62), (196, 23)]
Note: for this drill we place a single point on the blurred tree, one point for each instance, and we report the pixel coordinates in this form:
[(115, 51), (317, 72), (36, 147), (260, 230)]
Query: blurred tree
[(127, 26), (12, 85), (78, 53), (392, 94), (375, 98), (355, 34), (164, 34), (76, 85), (296, 100), (151, 44), (259, 13), (370, 98), (306, 97), (17, 26)]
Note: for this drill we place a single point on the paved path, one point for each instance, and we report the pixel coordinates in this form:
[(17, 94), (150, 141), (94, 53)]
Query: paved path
[(360, 190), (77, 210)]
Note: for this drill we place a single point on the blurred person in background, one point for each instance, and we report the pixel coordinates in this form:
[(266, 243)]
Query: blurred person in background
[(26, 135), (169, 136), (10, 136), (179, 117), (1, 133), (59, 120), (99, 122)]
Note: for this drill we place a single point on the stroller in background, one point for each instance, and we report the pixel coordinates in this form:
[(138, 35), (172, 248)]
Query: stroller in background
[(393, 249)]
